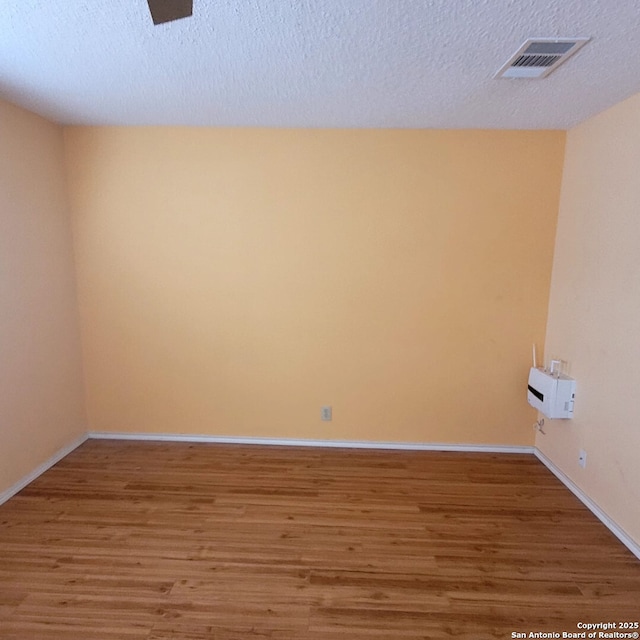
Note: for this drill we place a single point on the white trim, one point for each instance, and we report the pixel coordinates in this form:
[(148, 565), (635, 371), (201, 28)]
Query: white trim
[(38, 471), (606, 520), (618, 531), (301, 442)]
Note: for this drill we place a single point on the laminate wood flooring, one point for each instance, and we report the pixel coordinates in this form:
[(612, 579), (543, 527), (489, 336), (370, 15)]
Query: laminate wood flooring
[(173, 541)]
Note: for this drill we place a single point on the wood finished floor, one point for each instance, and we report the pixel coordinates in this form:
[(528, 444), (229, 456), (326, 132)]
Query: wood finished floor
[(173, 541)]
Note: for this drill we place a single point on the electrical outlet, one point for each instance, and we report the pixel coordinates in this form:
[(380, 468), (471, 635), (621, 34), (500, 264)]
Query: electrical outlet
[(582, 458), (326, 414)]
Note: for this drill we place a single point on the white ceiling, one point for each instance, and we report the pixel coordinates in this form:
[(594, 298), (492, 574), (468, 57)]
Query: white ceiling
[(314, 63)]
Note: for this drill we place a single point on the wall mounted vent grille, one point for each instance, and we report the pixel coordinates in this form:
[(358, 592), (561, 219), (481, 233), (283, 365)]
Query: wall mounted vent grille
[(538, 57)]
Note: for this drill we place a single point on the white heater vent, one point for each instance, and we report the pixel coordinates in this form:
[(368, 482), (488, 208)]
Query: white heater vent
[(538, 57)]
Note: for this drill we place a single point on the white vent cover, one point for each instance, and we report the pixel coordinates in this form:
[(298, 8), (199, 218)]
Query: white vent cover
[(538, 57)]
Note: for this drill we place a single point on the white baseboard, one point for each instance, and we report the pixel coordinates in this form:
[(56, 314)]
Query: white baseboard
[(38, 471), (624, 537), (302, 442), (608, 522)]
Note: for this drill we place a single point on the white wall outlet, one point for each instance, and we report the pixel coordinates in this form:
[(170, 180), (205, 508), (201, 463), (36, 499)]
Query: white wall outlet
[(326, 413), (582, 458)]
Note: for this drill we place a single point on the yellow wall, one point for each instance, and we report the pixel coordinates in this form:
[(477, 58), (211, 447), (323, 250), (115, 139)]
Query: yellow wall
[(594, 312), (41, 396), (233, 281)]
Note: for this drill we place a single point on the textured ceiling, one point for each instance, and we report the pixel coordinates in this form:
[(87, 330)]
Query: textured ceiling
[(314, 63)]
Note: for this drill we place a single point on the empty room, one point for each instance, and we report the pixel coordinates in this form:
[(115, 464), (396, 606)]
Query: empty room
[(319, 319)]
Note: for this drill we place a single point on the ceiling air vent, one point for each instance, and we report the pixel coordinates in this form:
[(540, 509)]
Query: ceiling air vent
[(538, 57)]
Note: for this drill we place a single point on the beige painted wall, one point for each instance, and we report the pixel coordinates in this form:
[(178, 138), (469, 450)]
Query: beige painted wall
[(233, 281), (594, 312), (41, 395)]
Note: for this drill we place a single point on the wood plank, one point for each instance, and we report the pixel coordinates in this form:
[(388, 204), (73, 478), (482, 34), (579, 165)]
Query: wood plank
[(159, 541)]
